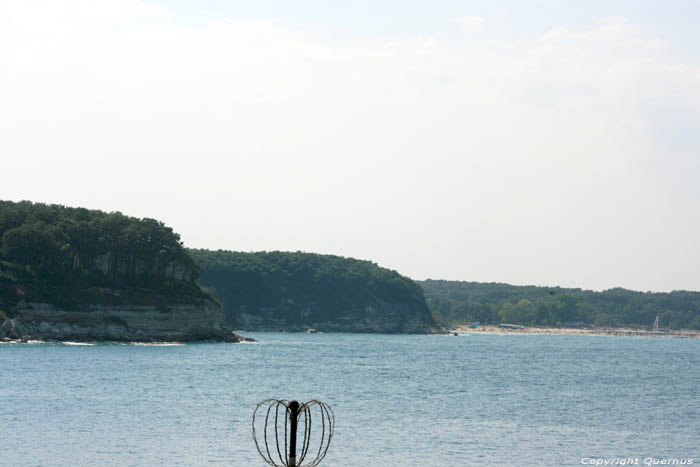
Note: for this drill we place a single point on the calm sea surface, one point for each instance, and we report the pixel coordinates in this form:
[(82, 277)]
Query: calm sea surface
[(399, 400)]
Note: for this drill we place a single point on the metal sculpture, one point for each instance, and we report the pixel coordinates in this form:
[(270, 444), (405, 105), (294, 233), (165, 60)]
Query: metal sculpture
[(295, 414)]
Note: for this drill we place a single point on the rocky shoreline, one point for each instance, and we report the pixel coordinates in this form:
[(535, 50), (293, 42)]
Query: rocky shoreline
[(15, 330), (197, 322)]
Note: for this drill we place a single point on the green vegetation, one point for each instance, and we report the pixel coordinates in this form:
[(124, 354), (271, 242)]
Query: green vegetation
[(303, 287), (68, 256), (453, 302), (62, 246)]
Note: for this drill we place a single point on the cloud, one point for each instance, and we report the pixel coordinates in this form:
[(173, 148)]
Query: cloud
[(471, 23), (533, 160)]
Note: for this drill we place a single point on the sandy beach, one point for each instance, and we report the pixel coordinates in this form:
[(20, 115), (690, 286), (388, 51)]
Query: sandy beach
[(497, 329)]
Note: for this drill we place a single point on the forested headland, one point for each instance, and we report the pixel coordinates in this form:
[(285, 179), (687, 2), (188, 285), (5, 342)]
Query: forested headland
[(73, 274), (76, 244), (49, 247), (455, 302), (295, 290)]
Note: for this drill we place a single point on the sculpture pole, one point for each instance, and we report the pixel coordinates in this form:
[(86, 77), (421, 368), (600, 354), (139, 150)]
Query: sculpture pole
[(294, 412)]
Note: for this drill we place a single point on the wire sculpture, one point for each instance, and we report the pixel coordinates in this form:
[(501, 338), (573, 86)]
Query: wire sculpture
[(294, 415)]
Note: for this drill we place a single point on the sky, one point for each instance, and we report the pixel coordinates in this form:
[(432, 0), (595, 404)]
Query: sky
[(526, 142)]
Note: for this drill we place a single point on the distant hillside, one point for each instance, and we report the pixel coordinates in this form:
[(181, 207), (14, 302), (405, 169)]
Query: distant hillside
[(455, 302), (296, 291)]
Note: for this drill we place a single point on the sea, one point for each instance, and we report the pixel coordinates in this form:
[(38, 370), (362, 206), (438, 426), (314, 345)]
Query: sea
[(398, 400)]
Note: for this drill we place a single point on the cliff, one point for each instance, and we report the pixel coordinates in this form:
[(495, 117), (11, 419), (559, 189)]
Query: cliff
[(111, 315), (377, 317), (285, 291)]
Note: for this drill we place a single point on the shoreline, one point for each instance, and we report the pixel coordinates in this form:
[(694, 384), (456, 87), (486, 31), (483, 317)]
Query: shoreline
[(496, 329)]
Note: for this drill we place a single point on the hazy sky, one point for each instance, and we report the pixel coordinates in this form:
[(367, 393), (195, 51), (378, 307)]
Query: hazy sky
[(542, 142)]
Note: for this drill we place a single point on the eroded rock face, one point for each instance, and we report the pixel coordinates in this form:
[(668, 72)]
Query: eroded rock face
[(202, 320), (375, 318)]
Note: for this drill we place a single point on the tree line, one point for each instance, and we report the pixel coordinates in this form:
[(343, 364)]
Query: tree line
[(454, 302), (298, 280), (64, 244)]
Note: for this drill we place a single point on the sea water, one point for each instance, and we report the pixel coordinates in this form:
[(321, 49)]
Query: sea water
[(399, 400)]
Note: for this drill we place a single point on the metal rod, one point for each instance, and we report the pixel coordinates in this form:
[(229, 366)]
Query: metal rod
[(294, 411)]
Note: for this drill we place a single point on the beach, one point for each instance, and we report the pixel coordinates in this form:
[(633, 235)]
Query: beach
[(497, 329)]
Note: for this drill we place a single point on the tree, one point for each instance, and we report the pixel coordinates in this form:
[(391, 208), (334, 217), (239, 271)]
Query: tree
[(34, 245)]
